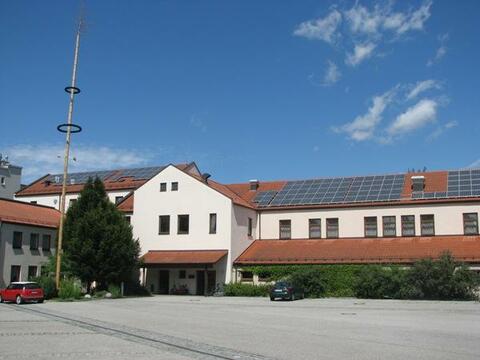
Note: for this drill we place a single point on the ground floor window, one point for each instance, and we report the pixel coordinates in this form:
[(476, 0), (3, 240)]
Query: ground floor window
[(32, 272), (15, 273), (470, 223), (332, 228), (247, 275), (182, 274)]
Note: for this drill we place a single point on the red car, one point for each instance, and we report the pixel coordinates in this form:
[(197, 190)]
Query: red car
[(20, 292)]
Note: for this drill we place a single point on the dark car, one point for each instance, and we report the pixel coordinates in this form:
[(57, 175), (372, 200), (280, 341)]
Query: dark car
[(20, 292), (286, 290)]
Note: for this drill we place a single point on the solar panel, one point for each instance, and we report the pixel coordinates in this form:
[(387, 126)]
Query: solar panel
[(335, 190), (463, 183), (138, 173), (80, 178)]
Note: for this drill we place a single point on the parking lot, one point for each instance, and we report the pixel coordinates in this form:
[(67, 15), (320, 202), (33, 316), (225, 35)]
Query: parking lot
[(175, 327)]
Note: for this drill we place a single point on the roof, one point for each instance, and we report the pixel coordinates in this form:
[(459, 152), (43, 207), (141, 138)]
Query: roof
[(119, 179), (171, 257), (401, 250), (19, 212), (440, 187), (126, 204)]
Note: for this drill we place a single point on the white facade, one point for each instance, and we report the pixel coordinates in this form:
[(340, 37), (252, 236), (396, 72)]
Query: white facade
[(197, 200), (448, 219)]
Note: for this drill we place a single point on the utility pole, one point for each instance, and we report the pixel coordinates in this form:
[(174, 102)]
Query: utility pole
[(69, 128)]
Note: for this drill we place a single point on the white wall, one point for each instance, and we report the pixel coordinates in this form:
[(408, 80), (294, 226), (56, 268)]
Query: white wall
[(193, 198), (54, 199), (448, 219), (240, 238)]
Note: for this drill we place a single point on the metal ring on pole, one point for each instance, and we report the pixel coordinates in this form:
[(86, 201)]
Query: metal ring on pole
[(63, 128), (72, 89)]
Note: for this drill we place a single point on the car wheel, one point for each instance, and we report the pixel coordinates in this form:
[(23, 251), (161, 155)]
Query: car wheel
[(1, 299), (40, 301), (18, 300), (272, 298)]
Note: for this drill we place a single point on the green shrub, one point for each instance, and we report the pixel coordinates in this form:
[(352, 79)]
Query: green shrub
[(48, 285), (311, 280), (115, 291), (100, 294), (442, 279), (133, 288), (239, 289), (378, 282), (69, 290)]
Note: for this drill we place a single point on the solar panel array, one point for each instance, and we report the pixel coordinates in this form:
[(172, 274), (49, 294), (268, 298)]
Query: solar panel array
[(137, 174), (113, 175), (335, 190), (80, 178)]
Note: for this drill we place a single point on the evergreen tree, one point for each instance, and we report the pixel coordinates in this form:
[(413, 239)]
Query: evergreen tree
[(98, 243)]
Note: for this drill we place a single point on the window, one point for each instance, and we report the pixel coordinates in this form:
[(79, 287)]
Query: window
[(250, 227), (213, 224), (3, 180), (128, 219), (470, 223), (163, 187), (15, 273), (427, 223), (315, 228), (33, 202), (34, 241), (72, 201), (164, 225), (32, 272), (17, 240), (183, 224), (285, 229), (182, 274), (174, 186), (118, 199), (46, 242), (408, 225), (389, 226), (332, 228), (247, 276), (371, 226)]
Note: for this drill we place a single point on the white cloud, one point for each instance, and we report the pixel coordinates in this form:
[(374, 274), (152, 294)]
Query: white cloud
[(38, 160), (363, 127), (417, 116), (416, 19), (320, 29), (422, 86), (441, 51), (475, 164), (360, 53), (441, 129), (332, 74)]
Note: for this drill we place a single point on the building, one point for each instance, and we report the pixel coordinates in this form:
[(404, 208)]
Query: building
[(10, 177), (196, 233), (27, 238)]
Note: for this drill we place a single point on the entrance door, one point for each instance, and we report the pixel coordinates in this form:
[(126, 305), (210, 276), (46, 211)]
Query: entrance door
[(211, 281), (163, 281), (200, 282)]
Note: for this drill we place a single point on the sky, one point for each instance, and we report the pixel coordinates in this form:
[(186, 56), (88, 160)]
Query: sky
[(247, 89)]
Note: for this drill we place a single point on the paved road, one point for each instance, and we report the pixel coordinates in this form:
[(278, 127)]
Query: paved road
[(166, 327)]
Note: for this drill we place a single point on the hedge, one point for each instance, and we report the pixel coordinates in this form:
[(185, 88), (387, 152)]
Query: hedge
[(442, 279)]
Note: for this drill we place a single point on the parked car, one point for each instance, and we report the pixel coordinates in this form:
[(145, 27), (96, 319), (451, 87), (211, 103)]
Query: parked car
[(286, 290), (21, 292)]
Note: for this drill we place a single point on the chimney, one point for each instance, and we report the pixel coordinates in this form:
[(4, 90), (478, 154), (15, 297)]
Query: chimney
[(254, 185), (205, 177), (418, 183)]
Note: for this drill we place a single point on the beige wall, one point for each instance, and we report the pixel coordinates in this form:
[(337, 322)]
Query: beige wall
[(24, 256), (448, 219)]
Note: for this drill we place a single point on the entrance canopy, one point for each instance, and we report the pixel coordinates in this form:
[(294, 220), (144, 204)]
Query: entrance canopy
[(193, 258)]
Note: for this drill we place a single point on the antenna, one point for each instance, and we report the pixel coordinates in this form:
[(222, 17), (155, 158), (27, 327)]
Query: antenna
[(68, 128)]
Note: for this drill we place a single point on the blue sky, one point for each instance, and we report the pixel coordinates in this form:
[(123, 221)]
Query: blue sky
[(247, 89)]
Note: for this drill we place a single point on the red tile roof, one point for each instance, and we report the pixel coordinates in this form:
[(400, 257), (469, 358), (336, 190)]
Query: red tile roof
[(42, 187), (19, 212), (126, 205), (193, 257), (401, 250)]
